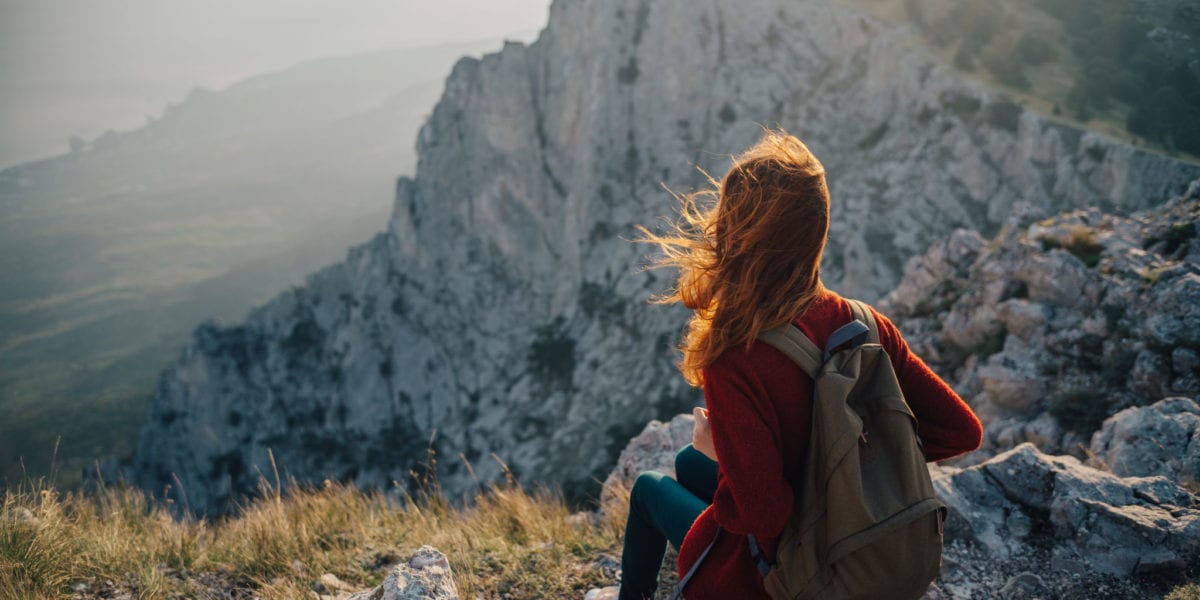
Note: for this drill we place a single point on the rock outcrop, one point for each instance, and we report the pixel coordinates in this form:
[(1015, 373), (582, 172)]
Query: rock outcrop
[(1058, 323), (1082, 519), (503, 307), (651, 450), (426, 576), (1160, 439), (1025, 524)]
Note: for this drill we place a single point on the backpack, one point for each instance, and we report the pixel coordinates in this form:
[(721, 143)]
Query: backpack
[(866, 522)]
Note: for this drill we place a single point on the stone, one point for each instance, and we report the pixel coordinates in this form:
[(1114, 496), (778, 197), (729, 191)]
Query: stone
[(1177, 320), (653, 449), (1150, 374), (1185, 361), (1025, 586), (607, 593), (1011, 384), (1160, 439), (329, 583), (425, 576), (1060, 279), (1023, 318), (23, 515)]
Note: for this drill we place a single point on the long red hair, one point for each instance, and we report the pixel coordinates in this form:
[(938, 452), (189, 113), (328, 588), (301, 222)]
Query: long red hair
[(748, 250)]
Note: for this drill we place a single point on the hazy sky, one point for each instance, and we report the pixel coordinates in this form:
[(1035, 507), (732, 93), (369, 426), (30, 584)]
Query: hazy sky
[(80, 67)]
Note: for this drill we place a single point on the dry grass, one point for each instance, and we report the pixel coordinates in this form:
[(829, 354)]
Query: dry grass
[(509, 543), (1189, 591)]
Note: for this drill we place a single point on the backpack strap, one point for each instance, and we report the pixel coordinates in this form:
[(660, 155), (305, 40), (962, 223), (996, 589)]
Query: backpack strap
[(683, 581), (862, 312), (796, 346), (789, 340), (756, 555)]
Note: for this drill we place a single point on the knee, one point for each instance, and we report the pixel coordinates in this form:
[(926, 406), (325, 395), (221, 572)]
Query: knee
[(644, 485)]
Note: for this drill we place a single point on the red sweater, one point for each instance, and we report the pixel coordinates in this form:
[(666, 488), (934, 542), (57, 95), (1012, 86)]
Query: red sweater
[(760, 408)]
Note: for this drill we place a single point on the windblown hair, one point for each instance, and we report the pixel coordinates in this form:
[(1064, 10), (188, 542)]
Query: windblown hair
[(750, 260)]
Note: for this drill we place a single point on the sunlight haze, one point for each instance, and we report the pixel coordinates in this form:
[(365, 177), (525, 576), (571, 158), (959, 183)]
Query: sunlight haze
[(79, 67)]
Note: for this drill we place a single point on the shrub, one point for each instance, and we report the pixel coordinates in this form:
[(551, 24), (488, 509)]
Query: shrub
[(552, 354), (1175, 236), (992, 343), (1081, 410), (1080, 241), (1117, 365), (1113, 313)]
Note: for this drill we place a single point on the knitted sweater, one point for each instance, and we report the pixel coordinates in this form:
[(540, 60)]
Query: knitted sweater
[(760, 409)]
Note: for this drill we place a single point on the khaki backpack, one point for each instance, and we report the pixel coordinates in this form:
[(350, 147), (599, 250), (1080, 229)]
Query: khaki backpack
[(865, 522)]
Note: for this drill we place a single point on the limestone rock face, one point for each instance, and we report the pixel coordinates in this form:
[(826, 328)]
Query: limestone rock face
[(1160, 439), (503, 311), (1060, 322)]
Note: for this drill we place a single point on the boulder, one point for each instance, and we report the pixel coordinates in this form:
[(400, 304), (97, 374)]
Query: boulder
[(651, 450), (1023, 502), (425, 576), (1160, 439)]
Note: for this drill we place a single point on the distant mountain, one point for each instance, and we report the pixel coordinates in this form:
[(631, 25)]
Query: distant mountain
[(504, 312), (111, 254)]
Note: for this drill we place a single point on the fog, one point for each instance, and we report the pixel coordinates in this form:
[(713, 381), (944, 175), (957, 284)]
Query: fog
[(81, 67), (202, 204)]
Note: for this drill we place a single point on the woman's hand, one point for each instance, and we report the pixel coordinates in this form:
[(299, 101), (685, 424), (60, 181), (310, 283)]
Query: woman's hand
[(702, 434)]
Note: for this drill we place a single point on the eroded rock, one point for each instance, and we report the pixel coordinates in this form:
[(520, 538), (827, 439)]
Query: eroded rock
[(1087, 520), (425, 576), (1075, 316), (1160, 439)]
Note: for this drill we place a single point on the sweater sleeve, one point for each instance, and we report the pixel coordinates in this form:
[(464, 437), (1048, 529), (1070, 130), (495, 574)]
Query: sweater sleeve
[(752, 496), (946, 425)]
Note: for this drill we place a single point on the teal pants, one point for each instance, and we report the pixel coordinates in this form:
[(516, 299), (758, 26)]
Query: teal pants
[(662, 509)]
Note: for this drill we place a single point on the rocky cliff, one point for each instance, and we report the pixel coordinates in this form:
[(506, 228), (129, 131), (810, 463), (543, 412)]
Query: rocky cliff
[(503, 307)]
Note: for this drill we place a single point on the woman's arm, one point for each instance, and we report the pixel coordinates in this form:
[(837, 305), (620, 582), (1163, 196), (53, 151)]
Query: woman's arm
[(946, 425), (752, 495)]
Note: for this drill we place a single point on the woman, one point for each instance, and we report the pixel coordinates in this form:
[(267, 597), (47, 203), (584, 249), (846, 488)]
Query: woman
[(748, 263)]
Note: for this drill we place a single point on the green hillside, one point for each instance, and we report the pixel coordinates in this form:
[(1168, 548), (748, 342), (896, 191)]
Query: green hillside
[(112, 254), (1127, 67)]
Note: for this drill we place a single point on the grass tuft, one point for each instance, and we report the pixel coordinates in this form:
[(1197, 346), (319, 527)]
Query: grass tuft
[(1190, 591), (1080, 241)]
